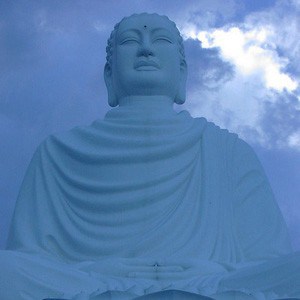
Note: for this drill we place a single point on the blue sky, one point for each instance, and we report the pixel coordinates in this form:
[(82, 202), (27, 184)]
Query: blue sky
[(244, 75)]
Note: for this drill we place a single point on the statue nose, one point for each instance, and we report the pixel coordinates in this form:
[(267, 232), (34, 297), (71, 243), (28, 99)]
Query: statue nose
[(145, 50)]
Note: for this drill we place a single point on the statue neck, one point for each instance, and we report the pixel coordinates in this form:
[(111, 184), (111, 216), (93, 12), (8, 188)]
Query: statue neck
[(148, 104)]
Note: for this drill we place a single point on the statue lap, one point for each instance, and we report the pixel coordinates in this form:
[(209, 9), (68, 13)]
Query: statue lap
[(28, 271)]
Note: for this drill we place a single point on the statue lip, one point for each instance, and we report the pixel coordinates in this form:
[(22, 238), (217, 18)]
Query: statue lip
[(146, 65)]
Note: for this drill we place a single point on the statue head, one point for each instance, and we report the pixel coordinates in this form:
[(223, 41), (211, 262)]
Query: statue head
[(145, 56)]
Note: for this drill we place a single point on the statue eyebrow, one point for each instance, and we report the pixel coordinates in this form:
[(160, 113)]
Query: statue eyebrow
[(152, 31), (132, 29), (164, 30)]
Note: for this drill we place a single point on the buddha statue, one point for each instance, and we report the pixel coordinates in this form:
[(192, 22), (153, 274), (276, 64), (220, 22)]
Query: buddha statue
[(147, 203)]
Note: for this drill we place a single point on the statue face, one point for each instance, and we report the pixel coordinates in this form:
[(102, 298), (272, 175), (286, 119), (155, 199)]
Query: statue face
[(146, 58)]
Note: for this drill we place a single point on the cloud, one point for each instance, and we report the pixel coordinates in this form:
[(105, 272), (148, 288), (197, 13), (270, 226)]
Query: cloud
[(207, 71), (263, 53), (281, 121), (294, 139), (251, 53), (51, 62)]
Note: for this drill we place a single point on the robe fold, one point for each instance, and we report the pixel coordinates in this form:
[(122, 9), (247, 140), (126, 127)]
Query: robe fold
[(138, 185)]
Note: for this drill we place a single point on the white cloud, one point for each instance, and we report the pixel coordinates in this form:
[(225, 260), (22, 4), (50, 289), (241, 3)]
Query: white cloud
[(263, 49), (251, 51), (294, 140), (101, 26)]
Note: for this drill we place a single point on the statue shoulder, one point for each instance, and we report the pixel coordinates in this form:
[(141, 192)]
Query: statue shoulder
[(229, 146), (58, 147), (70, 138), (217, 135)]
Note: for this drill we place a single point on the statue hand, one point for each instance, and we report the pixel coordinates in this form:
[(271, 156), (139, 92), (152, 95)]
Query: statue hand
[(128, 267), (177, 269), (153, 269)]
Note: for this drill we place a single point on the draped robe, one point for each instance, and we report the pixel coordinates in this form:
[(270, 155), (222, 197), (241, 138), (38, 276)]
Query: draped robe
[(138, 185)]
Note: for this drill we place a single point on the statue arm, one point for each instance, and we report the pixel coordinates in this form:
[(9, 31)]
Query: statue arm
[(20, 235), (260, 227), (33, 205)]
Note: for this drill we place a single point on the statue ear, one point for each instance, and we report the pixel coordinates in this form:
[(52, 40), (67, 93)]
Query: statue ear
[(180, 97), (112, 99)]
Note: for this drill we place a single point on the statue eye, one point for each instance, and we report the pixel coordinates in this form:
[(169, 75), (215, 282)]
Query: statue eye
[(129, 41), (163, 40)]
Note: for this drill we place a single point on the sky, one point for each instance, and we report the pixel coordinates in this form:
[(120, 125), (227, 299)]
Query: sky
[(244, 75)]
